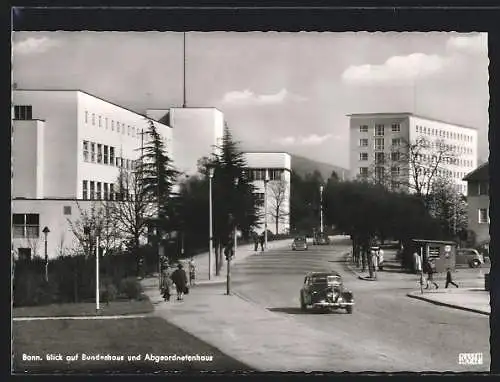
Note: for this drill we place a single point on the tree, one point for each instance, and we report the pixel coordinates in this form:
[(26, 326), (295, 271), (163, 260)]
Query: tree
[(305, 201), (132, 210), (230, 199), (279, 195), (157, 176)]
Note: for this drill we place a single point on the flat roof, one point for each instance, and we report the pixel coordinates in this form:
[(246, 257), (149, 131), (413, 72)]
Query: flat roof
[(408, 114), (481, 173), (92, 95)]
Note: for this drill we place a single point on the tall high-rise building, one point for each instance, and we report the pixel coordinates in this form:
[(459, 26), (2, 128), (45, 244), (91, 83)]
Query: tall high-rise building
[(405, 150)]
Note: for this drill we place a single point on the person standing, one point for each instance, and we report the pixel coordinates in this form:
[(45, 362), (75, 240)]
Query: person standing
[(166, 284), (449, 279), (255, 241), (179, 278), (430, 272), (262, 241), (192, 272)]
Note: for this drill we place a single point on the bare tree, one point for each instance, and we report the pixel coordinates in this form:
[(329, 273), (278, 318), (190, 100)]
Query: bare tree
[(278, 196), (33, 243), (98, 218)]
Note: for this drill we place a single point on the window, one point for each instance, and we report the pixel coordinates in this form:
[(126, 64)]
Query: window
[(483, 188), (92, 152), (26, 225), (363, 156), (276, 174), (379, 130), (396, 127), (118, 126), (85, 191), (118, 162), (123, 129), (483, 216), (396, 142), (106, 194), (106, 123), (93, 119), (363, 128), (259, 196), (112, 125), (112, 156), (23, 112), (128, 130), (379, 174), (111, 191), (106, 154), (395, 156), (363, 142), (363, 171), (86, 116), (100, 121), (395, 171), (99, 153), (379, 143), (98, 191), (379, 158), (85, 151), (92, 190), (67, 210)]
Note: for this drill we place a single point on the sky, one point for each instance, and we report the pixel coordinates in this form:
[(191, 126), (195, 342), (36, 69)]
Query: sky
[(278, 91)]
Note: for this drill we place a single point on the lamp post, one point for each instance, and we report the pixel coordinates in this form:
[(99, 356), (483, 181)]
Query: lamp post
[(321, 208), (210, 233), (266, 181), (46, 233), (97, 273)]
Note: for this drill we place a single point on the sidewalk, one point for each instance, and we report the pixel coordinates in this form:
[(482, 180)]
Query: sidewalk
[(391, 266), (471, 299)]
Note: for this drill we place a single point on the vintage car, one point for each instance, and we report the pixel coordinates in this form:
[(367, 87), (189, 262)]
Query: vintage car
[(321, 239), (299, 243), (325, 290), (470, 257)]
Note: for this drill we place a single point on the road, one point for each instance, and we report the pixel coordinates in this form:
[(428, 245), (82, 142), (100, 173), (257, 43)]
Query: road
[(387, 331)]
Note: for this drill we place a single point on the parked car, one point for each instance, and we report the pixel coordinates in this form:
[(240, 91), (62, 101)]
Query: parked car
[(470, 257), (325, 290), (321, 239)]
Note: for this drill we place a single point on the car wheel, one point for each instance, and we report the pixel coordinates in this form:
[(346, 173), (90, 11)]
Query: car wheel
[(303, 306), (475, 263), (348, 309)]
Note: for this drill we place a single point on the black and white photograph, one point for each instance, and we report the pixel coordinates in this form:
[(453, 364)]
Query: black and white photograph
[(250, 202)]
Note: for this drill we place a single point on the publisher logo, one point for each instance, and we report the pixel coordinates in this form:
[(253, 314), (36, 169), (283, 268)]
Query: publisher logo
[(470, 359)]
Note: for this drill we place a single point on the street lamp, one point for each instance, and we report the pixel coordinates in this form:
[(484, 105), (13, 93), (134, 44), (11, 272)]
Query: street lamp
[(266, 181), (97, 273), (210, 234), (46, 233), (321, 208)]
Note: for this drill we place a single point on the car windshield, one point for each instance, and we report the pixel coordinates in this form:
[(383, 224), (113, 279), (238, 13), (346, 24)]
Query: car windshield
[(331, 279), (299, 239)]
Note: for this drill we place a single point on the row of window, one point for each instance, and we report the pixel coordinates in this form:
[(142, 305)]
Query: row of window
[(23, 112), (93, 190), (380, 129), (443, 133), (429, 158), (104, 154), (260, 174), (483, 216), (111, 124), (396, 171)]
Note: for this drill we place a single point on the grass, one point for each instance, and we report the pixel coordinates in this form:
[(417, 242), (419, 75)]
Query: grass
[(85, 309), (120, 337)]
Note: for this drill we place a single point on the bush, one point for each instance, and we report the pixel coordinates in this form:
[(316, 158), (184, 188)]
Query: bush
[(108, 292), (131, 288)]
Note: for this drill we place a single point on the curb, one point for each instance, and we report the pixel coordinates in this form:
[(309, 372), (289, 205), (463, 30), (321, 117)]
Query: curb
[(353, 271), (426, 299)]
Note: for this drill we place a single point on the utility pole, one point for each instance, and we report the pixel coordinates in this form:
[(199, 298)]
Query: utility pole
[(321, 208)]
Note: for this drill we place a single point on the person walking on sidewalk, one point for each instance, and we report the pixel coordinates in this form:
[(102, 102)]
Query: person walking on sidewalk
[(192, 272), (255, 241), (179, 278), (166, 284), (430, 272), (262, 241), (449, 279)]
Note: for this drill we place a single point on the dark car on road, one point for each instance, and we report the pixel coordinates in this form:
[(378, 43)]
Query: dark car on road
[(299, 243), (470, 257), (326, 291)]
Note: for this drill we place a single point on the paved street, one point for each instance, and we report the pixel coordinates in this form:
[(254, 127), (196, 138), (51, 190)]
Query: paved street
[(387, 331)]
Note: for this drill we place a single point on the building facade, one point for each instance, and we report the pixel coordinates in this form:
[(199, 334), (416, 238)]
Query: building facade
[(478, 203), (393, 147), (270, 172), (68, 148)]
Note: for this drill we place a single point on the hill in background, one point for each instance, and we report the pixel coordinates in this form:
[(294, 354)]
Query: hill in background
[(303, 166)]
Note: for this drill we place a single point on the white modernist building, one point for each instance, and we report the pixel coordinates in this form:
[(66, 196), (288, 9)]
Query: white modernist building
[(198, 131), (67, 150), (270, 173), (378, 142)]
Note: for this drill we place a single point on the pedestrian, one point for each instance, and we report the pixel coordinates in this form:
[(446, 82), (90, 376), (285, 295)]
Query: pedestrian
[(417, 262), (179, 278), (165, 287), (192, 272), (449, 279), (255, 241), (262, 241), (430, 279)]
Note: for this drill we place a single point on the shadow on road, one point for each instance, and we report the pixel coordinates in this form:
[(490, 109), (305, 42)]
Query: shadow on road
[(294, 310)]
